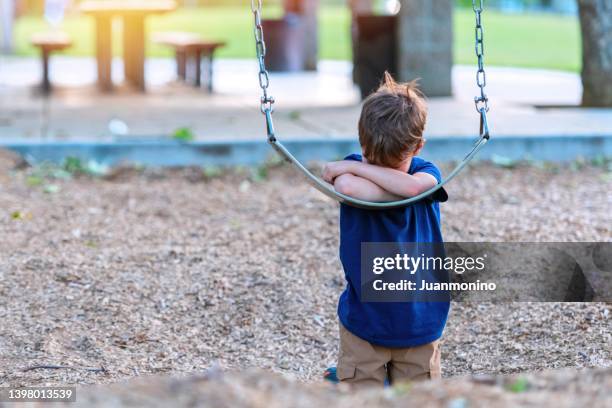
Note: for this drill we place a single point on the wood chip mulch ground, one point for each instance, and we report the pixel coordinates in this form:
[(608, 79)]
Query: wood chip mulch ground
[(172, 272)]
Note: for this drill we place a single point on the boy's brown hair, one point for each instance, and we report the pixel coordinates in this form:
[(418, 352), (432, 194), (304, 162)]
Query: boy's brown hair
[(392, 122)]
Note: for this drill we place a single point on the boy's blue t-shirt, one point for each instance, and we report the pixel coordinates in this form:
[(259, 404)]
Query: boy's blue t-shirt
[(390, 324)]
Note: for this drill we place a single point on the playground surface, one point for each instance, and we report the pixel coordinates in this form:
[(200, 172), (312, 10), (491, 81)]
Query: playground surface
[(318, 105), (165, 272), (262, 389)]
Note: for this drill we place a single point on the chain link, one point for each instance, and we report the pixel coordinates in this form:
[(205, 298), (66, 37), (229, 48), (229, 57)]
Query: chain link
[(481, 101), (266, 100)]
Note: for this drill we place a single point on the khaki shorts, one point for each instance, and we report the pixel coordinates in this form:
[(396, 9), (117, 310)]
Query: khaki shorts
[(361, 363)]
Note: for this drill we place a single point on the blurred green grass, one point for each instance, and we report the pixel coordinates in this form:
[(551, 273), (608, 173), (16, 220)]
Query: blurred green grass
[(520, 40)]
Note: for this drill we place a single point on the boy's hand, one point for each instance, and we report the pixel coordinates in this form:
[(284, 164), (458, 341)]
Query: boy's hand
[(335, 169)]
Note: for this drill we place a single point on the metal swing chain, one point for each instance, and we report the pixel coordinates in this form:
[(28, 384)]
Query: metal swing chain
[(267, 101), (267, 108), (482, 101)]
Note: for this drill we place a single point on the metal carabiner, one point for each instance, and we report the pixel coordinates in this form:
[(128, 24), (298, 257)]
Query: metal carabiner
[(269, 125), (484, 124)]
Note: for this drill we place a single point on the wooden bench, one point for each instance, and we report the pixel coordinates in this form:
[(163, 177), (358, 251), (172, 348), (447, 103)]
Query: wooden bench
[(190, 51), (48, 43)]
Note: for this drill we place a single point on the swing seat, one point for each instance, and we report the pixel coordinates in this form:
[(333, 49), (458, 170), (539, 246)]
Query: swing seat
[(436, 193)]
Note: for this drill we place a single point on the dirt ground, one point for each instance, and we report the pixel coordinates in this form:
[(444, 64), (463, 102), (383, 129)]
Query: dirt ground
[(261, 389), (151, 272)]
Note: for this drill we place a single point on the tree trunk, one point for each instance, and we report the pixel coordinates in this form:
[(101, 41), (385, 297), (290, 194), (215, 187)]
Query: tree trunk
[(357, 7), (596, 25), (7, 18), (425, 44), (307, 9), (360, 6)]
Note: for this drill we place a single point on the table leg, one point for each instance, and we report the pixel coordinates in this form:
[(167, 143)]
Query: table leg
[(104, 52), (46, 83), (181, 64), (209, 61), (134, 50), (197, 56)]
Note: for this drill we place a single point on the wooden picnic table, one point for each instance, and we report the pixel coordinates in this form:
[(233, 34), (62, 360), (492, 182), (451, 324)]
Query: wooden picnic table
[(133, 13)]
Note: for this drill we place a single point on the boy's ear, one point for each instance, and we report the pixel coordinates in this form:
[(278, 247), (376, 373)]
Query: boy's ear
[(419, 147)]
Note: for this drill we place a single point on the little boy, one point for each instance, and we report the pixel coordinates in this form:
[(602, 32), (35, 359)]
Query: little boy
[(387, 342)]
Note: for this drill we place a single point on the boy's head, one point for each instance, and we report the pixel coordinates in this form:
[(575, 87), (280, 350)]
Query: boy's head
[(392, 123)]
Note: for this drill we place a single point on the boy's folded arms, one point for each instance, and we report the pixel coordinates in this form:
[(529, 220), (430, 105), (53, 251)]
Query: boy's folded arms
[(376, 183), (363, 189)]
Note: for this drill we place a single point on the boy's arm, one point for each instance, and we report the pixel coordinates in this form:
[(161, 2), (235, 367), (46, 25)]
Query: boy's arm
[(362, 189), (395, 182)]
